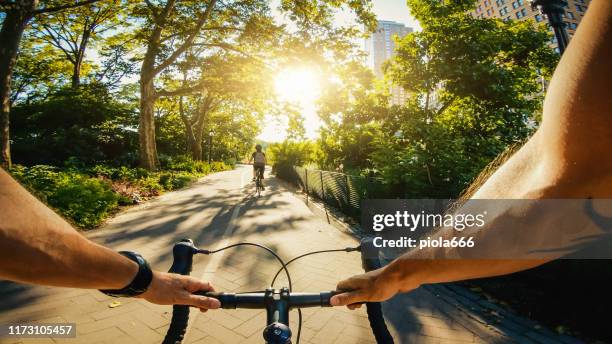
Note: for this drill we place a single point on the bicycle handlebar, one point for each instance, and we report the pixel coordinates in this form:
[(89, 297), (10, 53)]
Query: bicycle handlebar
[(263, 300), (276, 302)]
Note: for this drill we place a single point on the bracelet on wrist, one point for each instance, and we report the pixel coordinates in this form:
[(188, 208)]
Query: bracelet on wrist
[(141, 281)]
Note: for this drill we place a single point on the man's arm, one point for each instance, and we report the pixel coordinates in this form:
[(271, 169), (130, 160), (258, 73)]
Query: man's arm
[(37, 246), (564, 159)]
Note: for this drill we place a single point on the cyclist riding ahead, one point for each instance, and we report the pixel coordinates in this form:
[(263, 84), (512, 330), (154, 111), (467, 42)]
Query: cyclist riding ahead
[(259, 162)]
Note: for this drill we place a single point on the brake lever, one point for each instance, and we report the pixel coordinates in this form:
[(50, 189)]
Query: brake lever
[(182, 253)]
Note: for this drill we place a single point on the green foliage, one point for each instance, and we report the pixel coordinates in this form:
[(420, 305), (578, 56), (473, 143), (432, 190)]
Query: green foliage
[(353, 109), (186, 164), (40, 71), (474, 90), (87, 123), (84, 200), (291, 153), (87, 195)]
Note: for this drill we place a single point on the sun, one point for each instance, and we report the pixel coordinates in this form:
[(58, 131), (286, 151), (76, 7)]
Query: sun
[(298, 85)]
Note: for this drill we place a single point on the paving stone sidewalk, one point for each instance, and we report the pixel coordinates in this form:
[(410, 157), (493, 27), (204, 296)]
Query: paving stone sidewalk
[(222, 209)]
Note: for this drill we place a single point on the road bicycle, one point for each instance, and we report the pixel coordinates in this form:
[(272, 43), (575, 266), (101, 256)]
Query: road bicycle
[(259, 182), (276, 302)]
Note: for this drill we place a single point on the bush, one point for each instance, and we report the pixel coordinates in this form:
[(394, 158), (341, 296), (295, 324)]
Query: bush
[(290, 153), (42, 179), (84, 200), (87, 201), (230, 162), (165, 180), (150, 186), (218, 166), (181, 180), (186, 164), (173, 181), (86, 196), (88, 123)]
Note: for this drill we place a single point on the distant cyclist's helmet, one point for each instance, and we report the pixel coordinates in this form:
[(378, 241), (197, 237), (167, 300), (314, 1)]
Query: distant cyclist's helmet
[(258, 147)]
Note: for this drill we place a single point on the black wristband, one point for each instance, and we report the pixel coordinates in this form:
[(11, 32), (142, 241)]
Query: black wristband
[(141, 281)]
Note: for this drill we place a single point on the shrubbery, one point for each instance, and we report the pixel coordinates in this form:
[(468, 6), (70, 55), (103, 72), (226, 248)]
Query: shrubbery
[(87, 195), (290, 153), (86, 201)]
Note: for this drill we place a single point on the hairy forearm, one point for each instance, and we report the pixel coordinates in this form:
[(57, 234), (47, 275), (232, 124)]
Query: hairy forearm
[(38, 246), (577, 119)]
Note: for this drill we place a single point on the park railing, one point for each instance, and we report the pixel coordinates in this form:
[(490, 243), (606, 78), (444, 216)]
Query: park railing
[(339, 190)]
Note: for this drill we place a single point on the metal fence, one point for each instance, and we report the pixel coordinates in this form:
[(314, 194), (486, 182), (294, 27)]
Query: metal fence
[(338, 190)]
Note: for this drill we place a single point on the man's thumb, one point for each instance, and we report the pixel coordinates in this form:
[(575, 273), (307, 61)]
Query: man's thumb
[(345, 298), (204, 302)]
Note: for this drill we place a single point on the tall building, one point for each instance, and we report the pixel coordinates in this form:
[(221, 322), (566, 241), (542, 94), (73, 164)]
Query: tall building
[(521, 10), (380, 47)]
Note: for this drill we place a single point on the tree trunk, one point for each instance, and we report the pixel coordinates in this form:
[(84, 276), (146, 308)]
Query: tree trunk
[(78, 61), (76, 74), (203, 110), (194, 126), (195, 147), (148, 96), (196, 150), (146, 130), (14, 24)]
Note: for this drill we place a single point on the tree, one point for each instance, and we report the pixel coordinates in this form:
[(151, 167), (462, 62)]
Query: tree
[(247, 27), (17, 17), (295, 124), (194, 123), (39, 72), (484, 74), (352, 108), (234, 127), (71, 31), (87, 123), (229, 78), (473, 90), (168, 39), (117, 62)]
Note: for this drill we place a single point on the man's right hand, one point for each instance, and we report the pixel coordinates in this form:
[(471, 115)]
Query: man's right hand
[(373, 286), (173, 289)]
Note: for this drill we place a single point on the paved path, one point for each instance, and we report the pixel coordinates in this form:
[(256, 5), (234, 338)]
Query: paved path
[(222, 209)]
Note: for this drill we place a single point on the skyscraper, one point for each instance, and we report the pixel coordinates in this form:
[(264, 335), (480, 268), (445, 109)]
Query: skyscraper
[(521, 10), (380, 47)]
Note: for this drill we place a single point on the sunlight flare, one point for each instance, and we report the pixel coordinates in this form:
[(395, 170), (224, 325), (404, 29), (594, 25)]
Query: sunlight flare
[(298, 85)]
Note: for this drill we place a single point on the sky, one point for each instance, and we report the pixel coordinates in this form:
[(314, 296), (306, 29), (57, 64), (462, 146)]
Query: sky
[(395, 10), (274, 129)]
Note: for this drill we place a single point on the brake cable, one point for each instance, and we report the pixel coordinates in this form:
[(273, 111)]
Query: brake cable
[(280, 260), (284, 267), (347, 249)]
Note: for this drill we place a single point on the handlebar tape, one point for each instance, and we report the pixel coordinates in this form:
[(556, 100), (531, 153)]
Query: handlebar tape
[(183, 253)]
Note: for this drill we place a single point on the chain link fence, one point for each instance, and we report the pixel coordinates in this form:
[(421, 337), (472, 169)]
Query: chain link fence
[(338, 190)]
